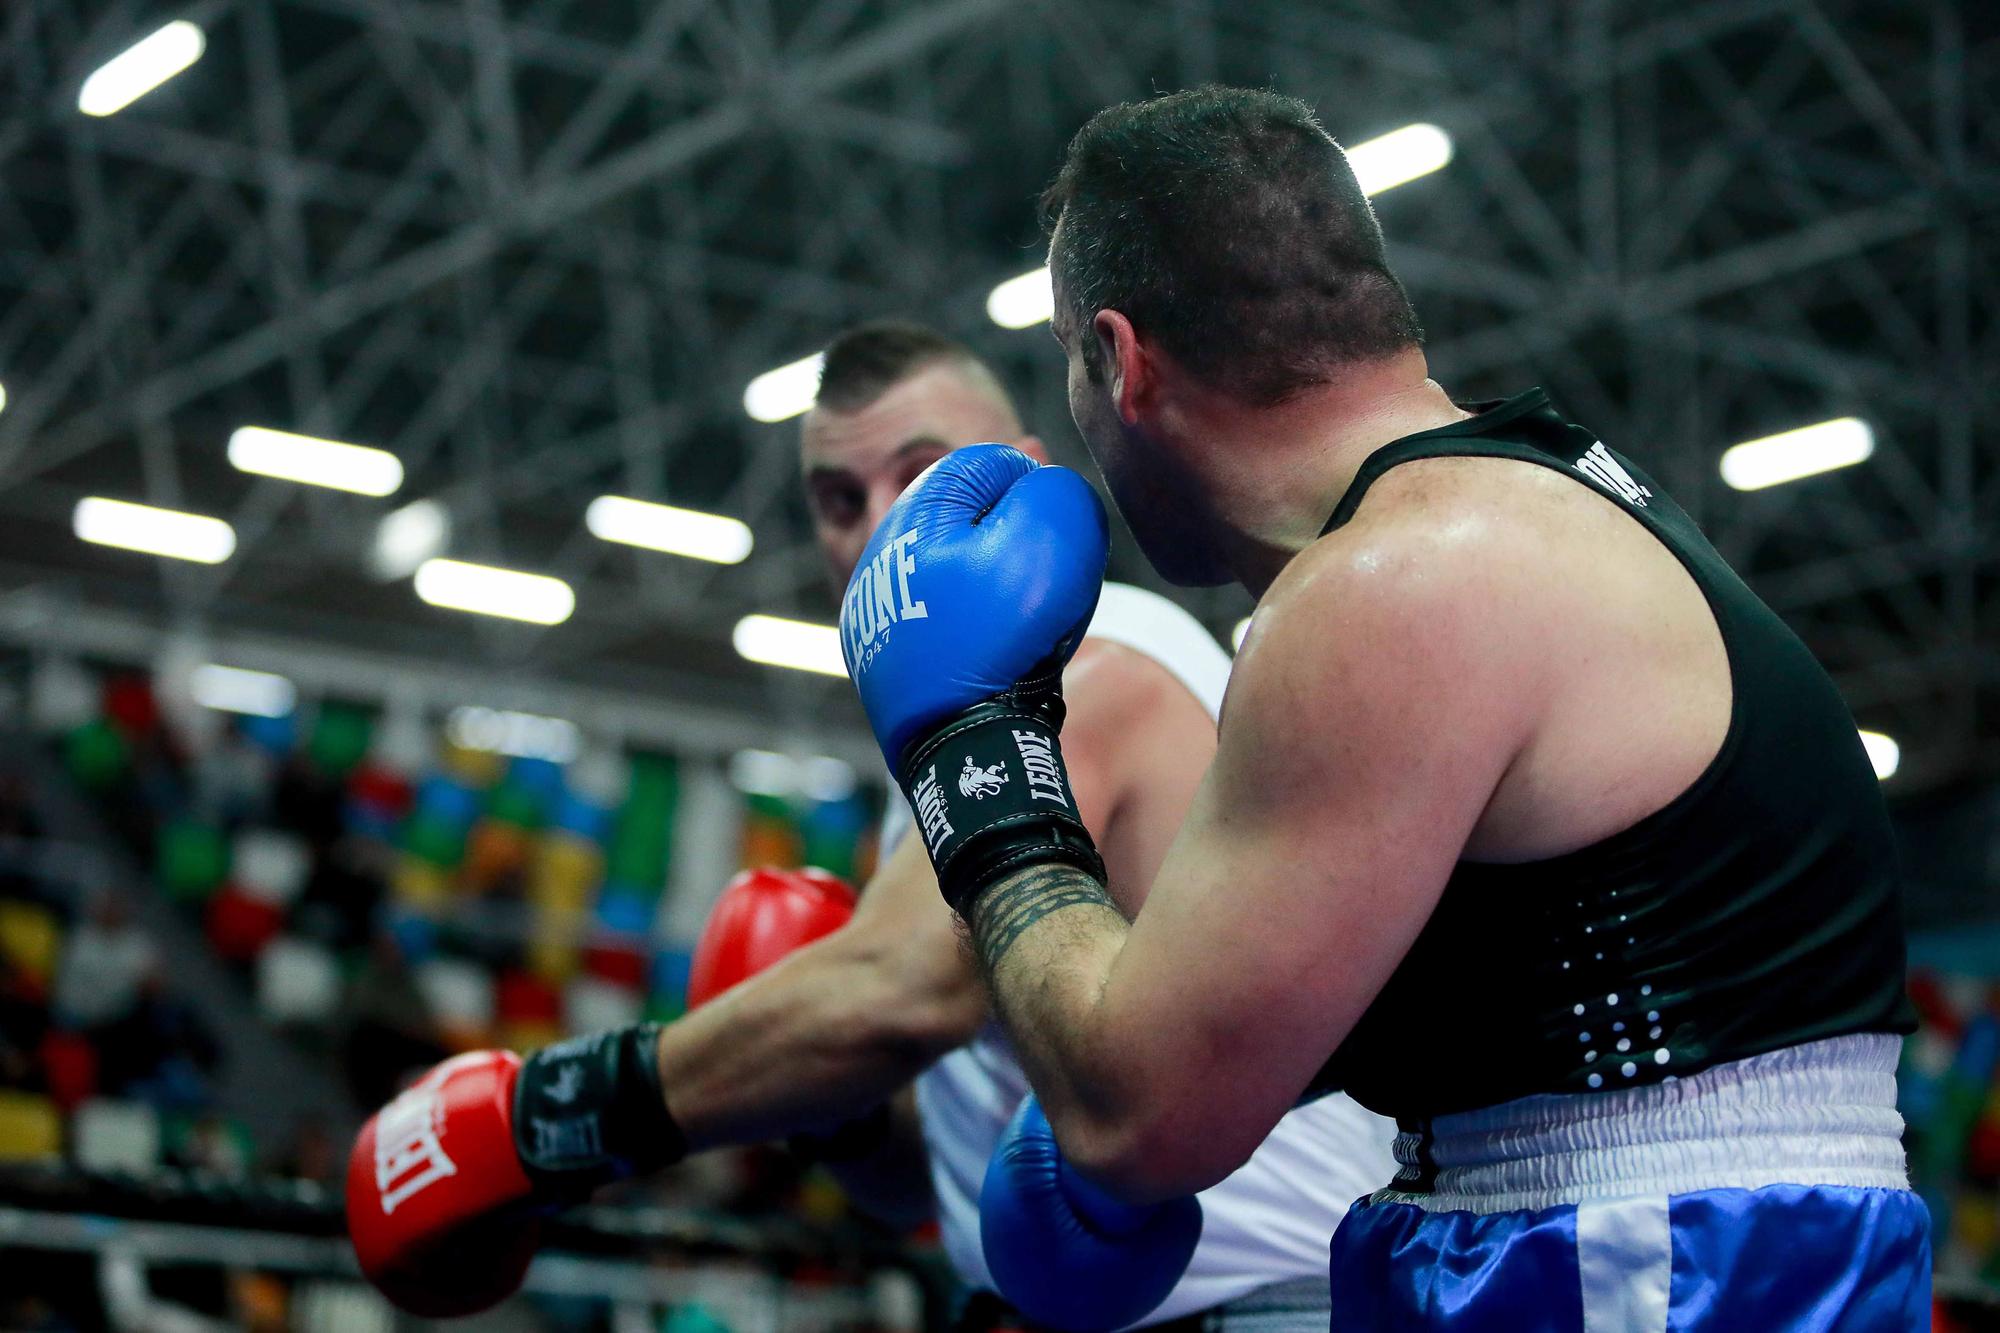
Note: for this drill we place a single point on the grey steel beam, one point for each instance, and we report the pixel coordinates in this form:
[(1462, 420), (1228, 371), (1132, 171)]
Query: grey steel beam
[(535, 212)]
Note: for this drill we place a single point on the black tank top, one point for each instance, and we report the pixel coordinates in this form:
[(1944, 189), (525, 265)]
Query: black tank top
[(1758, 909)]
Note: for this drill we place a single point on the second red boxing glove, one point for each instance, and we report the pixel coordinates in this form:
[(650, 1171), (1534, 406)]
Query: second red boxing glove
[(762, 915)]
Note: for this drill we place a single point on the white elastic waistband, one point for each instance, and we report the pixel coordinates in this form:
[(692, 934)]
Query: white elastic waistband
[(1822, 1113)]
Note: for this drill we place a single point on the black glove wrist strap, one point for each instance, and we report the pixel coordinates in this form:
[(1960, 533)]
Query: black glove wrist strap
[(990, 794), (590, 1110)]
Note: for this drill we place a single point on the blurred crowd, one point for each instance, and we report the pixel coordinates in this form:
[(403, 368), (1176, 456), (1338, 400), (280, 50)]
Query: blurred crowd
[(376, 898), (382, 899), (93, 1036)]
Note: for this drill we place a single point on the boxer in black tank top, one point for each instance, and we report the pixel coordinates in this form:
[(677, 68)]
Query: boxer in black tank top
[(1757, 910), (1697, 936), (1528, 823)]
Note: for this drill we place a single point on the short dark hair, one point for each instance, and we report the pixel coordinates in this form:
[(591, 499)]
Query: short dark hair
[(866, 361), (1227, 224)]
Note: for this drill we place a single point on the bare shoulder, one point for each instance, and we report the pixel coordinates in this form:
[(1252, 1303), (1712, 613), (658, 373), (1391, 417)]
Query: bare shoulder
[(1432, 536), (1499, 501), (1526, 544), (1460, 533), (1425, 600), (1107, 685)]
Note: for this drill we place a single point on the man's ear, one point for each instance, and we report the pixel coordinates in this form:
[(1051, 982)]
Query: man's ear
[(1129, 372), (1032, 446)]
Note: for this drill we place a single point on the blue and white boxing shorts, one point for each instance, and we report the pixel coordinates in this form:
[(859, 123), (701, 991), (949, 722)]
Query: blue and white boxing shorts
[(1768, 1194)]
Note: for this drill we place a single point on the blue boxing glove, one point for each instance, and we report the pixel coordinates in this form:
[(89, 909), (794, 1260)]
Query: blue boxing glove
[(1062, 1250), (968, 600)]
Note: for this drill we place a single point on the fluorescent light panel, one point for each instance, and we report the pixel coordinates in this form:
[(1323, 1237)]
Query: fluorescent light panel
[(823, 778), (235, 690), (1399, 157), (761, 772), (798, 644), (781, 394), (314, 462), (1023, 302), (769, 773), (488, 590), (1379, 164), (166, 532), (1883, 753), (522, 735), (1790, 455), (3, 398), (658, 527), (407, 537), (140, 68)]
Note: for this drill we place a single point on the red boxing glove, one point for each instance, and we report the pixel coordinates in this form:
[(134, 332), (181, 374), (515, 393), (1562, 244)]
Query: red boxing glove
[(437, 1198), (761, 916), (447, 1185)]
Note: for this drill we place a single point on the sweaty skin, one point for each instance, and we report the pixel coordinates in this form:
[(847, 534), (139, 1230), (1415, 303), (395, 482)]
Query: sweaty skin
[(842, 1025), (1416, 688)]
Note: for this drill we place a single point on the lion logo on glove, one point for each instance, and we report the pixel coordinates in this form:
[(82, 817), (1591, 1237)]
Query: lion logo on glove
[(979, 783)]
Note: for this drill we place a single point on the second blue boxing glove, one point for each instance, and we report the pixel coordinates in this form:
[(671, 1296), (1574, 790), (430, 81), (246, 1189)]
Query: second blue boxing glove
[(1062, 1250)]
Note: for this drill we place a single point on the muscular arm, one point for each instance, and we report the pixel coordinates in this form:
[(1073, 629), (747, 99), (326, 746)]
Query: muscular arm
[(828, 1032), (1369, 721)]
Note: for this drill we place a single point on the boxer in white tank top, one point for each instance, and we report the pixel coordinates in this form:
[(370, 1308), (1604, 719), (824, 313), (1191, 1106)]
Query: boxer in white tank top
[(828, 1043), (1265, 1225)]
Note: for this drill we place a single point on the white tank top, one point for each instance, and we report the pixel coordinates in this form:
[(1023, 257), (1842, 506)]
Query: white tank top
[(1268, 1222)]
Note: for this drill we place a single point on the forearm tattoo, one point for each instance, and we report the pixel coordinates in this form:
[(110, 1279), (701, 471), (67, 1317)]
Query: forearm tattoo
[(1003, 913)]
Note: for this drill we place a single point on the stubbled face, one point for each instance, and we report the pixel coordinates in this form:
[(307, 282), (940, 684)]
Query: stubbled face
[(1159, 499), (856, 464)]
